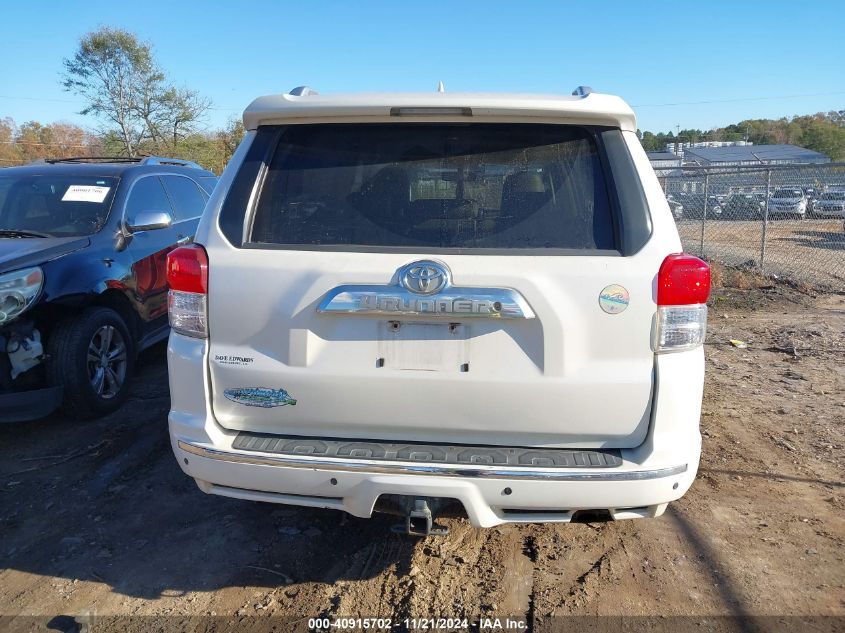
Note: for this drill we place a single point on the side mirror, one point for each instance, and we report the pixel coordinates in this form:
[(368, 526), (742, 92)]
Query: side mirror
[(149, 221)]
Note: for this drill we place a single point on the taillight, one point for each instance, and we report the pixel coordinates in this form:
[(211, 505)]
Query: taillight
[(682, 280), (683, 285), (187, 278)]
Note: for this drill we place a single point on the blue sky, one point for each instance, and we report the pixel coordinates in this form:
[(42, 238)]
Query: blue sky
[(719, 61)]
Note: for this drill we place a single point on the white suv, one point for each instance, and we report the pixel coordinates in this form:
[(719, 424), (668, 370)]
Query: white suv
[(421, 302)]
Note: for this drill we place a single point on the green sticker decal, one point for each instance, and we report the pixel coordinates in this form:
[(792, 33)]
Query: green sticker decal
[(263, 397)]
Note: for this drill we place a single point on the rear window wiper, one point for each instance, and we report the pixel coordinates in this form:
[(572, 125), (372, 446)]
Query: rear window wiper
[(22, 233)]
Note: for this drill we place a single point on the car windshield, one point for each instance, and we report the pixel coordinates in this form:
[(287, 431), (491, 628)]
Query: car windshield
[(787, 193), (833, 195), (55, 205)]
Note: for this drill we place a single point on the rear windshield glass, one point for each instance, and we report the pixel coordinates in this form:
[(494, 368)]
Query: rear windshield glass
[(436, 185)]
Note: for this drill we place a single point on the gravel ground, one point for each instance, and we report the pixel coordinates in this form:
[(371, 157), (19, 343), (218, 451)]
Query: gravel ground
[(97, 520)]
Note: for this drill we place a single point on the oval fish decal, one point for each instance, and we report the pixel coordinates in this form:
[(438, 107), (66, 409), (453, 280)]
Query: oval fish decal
[(263, 397), (613, 299)]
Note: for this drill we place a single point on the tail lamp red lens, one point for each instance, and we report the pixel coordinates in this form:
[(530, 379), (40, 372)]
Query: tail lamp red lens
[(187, 269), (683, 280)]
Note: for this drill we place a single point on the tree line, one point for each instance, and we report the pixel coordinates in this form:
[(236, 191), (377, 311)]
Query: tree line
[(33, 140), (823, 132)]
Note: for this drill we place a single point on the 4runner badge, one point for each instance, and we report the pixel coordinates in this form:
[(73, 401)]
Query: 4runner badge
[(259, 397), (424, 288)]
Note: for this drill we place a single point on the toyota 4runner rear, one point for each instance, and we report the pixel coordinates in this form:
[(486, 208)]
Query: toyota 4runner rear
[(414, 301)]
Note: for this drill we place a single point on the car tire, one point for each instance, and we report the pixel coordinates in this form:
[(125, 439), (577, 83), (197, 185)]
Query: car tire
[(92, 356)]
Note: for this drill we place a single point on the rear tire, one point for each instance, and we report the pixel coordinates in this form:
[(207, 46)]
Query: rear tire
[(92, 356)]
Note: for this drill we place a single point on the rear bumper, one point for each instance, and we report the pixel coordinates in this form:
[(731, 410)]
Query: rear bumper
[(653, 474), (490, 497), (29, 405)]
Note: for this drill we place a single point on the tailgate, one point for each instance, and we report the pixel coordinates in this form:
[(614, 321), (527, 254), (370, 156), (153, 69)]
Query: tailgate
[(573, 375)]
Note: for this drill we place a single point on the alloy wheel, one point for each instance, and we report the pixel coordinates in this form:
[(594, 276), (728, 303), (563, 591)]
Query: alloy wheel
[(106, 361)]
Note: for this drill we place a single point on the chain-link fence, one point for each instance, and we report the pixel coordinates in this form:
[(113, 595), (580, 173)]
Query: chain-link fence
[(781, 219)]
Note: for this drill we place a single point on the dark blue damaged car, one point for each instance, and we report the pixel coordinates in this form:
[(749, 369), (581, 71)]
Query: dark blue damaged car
[(83, 249)]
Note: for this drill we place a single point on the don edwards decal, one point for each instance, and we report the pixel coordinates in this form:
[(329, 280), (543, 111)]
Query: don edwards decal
[(614, 299), (263, 397), (229, 359)]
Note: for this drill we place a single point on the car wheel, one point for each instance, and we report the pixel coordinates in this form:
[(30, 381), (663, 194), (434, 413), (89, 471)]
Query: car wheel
[(92, 356)]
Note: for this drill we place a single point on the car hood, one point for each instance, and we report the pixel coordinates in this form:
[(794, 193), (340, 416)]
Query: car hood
[(21, 252)]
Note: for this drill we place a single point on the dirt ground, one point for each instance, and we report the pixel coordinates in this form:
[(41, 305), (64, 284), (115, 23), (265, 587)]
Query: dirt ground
[(97, 520), (811, 251)]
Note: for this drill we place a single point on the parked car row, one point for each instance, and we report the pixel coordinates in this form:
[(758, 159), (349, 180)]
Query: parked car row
[(783, 203)]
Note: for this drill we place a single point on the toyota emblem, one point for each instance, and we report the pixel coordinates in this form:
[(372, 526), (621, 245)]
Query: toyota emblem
[(424, 277)]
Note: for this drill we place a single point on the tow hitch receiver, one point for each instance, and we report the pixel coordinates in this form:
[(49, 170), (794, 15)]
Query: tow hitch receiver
[(419, 521)]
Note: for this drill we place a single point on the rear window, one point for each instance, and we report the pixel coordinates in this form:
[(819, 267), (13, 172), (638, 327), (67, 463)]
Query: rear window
[(461, 186), (187, 197)]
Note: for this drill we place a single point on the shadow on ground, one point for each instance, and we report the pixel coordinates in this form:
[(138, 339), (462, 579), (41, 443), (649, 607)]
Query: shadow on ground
[(105, 501), (830, 240)]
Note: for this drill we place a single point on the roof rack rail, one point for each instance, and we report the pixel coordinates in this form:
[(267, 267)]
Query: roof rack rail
[(141, 160), (303, 91), (582, 91), (160, 160), (92, 159)]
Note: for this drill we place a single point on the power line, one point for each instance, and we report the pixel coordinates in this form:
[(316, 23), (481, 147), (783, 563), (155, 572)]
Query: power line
[(38, 99), (640, 105), (23, 98), (94, 143), (681, 103), (59, 144)]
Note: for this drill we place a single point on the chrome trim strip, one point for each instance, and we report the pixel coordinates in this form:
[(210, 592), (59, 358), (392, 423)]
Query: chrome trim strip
[(424, 288), (392, 301), (404, 468)]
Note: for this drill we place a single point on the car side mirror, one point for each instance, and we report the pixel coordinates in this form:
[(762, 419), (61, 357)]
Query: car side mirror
[(149, 221)]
